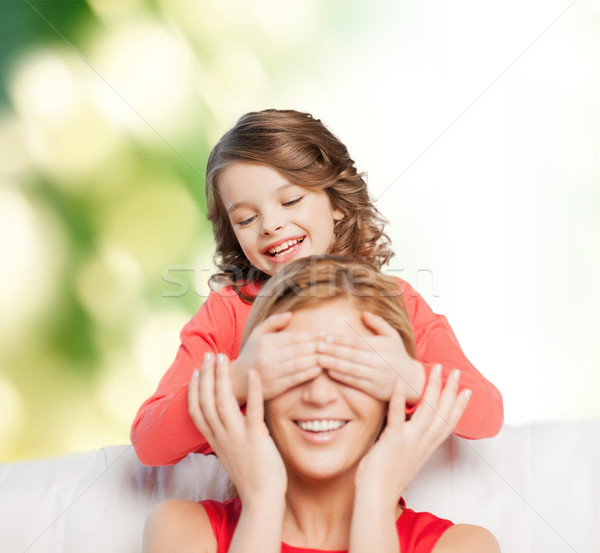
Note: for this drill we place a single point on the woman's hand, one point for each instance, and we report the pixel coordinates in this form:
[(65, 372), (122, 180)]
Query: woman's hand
[(242, 443), (372, 363), (282, 359), (404, 446)]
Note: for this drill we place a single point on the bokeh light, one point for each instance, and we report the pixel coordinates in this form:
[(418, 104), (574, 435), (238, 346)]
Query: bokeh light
[(478, 126)]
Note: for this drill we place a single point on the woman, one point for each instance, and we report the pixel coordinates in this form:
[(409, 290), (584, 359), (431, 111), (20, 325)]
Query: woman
[(322, 466)]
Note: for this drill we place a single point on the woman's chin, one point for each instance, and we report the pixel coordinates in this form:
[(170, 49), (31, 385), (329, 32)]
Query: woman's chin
[(320, 468)]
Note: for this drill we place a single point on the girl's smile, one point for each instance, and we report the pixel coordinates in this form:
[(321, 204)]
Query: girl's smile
[(285, 249), (274, 220)]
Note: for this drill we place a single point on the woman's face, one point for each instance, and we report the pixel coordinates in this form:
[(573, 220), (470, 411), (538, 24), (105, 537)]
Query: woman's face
[(323, 428)]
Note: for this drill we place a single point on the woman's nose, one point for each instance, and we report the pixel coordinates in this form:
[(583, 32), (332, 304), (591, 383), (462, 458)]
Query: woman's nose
[(320, 390)]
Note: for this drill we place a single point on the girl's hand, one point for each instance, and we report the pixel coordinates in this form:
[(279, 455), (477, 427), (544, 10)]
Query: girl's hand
[(372, 363), (404, 446), (242, 443), (282, 359)]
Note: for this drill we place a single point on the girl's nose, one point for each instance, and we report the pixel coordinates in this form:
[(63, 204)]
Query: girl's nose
[(270, 222), (270, 227), (320, 390)]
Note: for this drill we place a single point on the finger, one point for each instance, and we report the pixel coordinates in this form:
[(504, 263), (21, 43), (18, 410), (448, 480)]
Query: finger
[(345, 372), (459, 407), (281, 345), (193, 398), (448, 396), (357, 366), (378, 325), (356, 374), (296, 347), (365, 385), (354, 340), (291, 365), (292, 380), (227, 406), (428, 408), (255, 403), (194, 408), (363, 353), (207, 394), (274, 323), (397, 406)]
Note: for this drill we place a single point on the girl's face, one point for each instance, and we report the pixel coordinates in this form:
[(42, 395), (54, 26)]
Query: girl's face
[(275, 221), (323, 428)]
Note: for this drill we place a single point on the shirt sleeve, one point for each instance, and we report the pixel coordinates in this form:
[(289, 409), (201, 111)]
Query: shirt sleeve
[(436, 343), (162, 432)]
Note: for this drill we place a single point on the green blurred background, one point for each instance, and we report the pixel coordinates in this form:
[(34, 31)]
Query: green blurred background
[(478, 126)]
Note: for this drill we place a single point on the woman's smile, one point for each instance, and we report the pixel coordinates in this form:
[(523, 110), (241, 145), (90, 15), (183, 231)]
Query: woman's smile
[(320, 431)]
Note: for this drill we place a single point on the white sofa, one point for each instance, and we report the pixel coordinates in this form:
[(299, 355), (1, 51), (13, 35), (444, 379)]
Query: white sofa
[(536, 487)]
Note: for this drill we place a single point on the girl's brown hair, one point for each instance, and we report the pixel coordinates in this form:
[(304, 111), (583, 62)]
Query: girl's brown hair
[(306, 153), (310, 281)]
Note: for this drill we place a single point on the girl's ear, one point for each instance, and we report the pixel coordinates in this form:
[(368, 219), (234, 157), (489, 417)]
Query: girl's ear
[(338, 215)]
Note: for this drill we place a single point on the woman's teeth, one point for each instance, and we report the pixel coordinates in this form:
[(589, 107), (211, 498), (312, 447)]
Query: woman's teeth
[(284, 246), (321, 425)]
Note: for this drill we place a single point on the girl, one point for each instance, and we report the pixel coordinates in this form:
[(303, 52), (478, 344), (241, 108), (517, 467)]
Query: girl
[(323, 470), (280, 186)]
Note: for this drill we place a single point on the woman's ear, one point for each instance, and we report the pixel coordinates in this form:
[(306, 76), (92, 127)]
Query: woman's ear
[(338, 215)]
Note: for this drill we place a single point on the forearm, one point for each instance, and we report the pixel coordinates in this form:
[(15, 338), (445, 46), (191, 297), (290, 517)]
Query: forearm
[(163, 432), (436, 343), (260, 526), (484, 414), (373, 526)]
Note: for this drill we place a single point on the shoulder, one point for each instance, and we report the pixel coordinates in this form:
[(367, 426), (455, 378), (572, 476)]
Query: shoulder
[(220, 304), (467, 538), (408, 293), (178, 526)]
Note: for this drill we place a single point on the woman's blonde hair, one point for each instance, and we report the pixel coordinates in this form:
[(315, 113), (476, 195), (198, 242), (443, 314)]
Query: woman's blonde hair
[(306, 153), (310, 281)]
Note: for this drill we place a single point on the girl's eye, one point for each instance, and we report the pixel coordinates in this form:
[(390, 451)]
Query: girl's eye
[(292, 202), (246, 221)]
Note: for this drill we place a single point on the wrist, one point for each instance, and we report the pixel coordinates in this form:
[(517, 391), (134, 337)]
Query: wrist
[(258, 499), (376, 500), (416, 383)]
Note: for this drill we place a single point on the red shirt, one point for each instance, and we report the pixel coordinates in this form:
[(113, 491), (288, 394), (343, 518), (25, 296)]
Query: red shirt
[(163, 433), (417, 532)]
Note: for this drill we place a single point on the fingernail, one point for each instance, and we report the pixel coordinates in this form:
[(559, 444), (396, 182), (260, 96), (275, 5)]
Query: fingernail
[(195, 374), (220, 358), (438, 370), (468, 393), (456, 374), (208, 357), (321, 334)]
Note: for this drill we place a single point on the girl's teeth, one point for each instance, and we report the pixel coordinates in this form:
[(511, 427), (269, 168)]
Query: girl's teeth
[(283, 246)]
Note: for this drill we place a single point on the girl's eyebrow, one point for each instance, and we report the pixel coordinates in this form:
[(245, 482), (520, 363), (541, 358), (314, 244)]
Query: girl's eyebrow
[(242, 203)]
